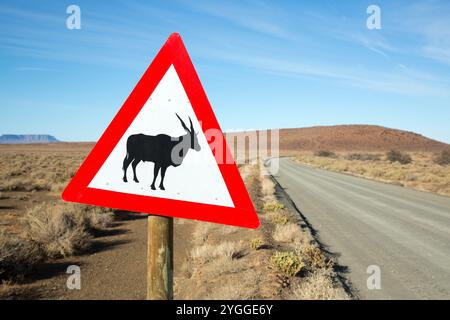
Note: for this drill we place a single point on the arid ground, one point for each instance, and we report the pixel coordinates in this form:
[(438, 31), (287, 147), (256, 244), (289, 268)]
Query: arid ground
[(40, 236)]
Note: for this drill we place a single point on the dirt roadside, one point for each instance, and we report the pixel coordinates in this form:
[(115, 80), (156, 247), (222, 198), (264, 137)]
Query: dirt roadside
[(210, 261)]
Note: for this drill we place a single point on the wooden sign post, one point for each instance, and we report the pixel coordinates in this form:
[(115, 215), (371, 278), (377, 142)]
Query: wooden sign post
[(160, 258)]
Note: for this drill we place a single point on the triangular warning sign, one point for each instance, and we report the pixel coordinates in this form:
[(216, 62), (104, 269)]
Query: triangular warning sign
[(157, 155)]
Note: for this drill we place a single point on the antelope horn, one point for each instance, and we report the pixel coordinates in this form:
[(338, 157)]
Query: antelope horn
[(182, 123), (192, 127)]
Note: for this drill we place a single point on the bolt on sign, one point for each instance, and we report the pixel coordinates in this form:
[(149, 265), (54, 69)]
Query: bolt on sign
[(164, 152)]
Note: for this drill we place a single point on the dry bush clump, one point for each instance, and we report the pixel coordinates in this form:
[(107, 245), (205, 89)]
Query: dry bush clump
[(267, 187), (256, 243), (208, 252), (57, 229), (12, 291), (288, 263), (325, 154), (93, 218), (363, 156), (267, 184), (443, 159), (18, 256), (314, 257), (288, 233), (319, 285), (279, 218), (273, 206), (62, 230), (397, 156)]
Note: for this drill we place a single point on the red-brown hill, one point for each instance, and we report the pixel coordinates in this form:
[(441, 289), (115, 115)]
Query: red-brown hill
[(356, 138)]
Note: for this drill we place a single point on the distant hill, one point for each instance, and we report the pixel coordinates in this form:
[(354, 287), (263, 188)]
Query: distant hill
[(356, 138), (26, 138)]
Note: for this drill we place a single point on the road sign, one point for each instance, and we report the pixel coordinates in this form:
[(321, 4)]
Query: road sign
[(155, 156)]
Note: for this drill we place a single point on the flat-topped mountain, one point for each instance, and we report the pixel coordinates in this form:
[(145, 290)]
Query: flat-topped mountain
[(26, 138)]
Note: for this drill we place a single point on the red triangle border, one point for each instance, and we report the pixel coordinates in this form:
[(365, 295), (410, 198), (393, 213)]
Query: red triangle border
[(173, 53)]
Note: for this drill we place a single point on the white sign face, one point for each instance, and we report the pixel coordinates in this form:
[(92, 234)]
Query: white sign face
[(196, 179)]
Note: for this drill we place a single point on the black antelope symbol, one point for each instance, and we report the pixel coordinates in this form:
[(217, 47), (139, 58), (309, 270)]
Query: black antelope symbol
[(163, 150)]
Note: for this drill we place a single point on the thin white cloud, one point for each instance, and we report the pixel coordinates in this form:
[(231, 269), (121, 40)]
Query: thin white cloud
[(373, 41), (400, 81), (32, 69), (254, 16), (428, 22)]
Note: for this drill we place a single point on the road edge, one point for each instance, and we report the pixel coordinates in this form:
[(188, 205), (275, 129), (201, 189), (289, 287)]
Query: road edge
[(285, 199)]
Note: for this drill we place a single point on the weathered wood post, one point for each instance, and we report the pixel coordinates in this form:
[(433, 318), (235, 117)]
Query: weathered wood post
[(160, 258)]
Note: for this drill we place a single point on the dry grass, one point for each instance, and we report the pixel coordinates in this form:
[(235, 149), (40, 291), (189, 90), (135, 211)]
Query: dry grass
[(273, 206), (267, 263), (422, 173), (49, 231), (256, 243), (278, 218), (443, 158), (37, 171), (319, 285), (18, 256), (12, 291), (42, 227), (325, 154), (201, 232), (288, 233), (232, 291), (267, 185), (288, 263), (314, 257), (400, 157), (227, 250), (64, 229), (363, 156), (59, 230)]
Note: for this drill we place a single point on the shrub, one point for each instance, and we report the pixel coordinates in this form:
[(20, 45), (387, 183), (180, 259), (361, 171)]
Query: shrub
[(325, 153), (273, 206), (319, 285), (363, 156), (288, 263), (12, 291), (279, 219), (288, 233), (99, 218), (315, 257), (18, 256), (267, 186), (397, 156), (443, 158), (256, 243), (208, 252), (57, 230)]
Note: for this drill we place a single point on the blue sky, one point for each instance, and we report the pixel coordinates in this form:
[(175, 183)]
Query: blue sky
[(263, 64)]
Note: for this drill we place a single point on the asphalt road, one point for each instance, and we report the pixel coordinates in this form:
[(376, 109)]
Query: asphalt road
[(406, 233)]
